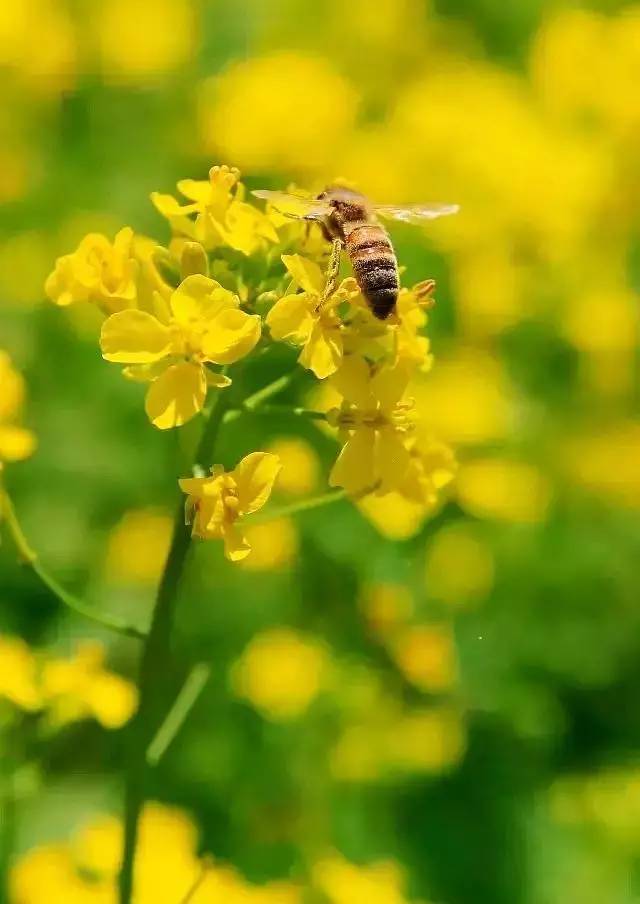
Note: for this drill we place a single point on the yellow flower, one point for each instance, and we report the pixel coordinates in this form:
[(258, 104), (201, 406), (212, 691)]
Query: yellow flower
[(16, 443), (505, 490), (81, 687), (203, 323), (411, 346), (98, 271), (300, 465), (300, 319), (375, 419), (18, 675), (274, 545), (216, 214), (280, 672), (342, 882), (149, 533), (459, 567), (426, 655), (214, 504)]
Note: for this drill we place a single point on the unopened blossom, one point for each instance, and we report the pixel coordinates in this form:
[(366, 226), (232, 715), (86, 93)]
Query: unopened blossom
[(16, 442), (216, 504), (375, 421), (306, 319), (216, 214), (99, 271), (201, 324)]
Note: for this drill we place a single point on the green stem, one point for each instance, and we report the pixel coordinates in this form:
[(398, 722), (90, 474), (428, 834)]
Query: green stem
[(185, 701), (295, 508), (291, 409), (31, 561), (155, 664), (255, 401)]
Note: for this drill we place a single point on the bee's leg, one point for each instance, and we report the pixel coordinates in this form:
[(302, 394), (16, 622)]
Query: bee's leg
[(332, 272)]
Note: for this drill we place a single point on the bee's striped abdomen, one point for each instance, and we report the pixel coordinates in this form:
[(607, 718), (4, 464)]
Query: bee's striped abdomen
[(375, 267)]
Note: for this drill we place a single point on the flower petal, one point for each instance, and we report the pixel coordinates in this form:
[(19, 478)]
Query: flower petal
[(176, 396), (169, 207), (233, 335), (307, 274), (16, 443), (323, 352), (392, 461), (134, 337), (353, 383), (389, 384), (291, 318), (199, 299), (354, 467), (236, 545), (216, 380), (255, 476)]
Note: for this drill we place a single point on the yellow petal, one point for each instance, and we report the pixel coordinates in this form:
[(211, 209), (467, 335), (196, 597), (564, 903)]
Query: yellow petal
[(392, 461), (176, 396), (236, 545), (323, 352), (134, 337), (255, 476), (389, 384), (12, 393), (352, 381), (195, 189), (307, 274), (169, 207), (233, 335), (216, 380), (291, 318), (16, 443), (144, 373), (354, 468), (199, 299)]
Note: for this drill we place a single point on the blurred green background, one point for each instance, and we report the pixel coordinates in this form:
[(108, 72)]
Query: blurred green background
[(399, 711)]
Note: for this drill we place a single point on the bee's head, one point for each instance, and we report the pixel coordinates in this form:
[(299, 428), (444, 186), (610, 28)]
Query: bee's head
[(350, 204)]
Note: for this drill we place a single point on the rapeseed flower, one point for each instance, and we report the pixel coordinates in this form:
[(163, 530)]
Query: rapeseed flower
[(216, 213), (306, 320), (99, 271), (202, 323), (16, 442), (374, 420), (216, 503)]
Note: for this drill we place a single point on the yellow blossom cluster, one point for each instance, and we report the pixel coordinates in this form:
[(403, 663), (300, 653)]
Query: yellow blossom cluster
[(84, 869), (178, 318), (65, 689)]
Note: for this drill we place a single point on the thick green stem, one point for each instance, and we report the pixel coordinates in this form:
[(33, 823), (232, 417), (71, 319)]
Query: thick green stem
[(155, 664)]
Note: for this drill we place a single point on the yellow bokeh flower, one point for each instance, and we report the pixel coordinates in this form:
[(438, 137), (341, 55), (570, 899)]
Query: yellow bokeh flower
[(283, 110), (427, 740), (426, 655), (374, 419), (83, 870), (274, 545), (130, 53), (216, 503), (148, 532), (16, 443), (19, 674), (306, 320), (300, 465), (99, 271), (505, 490), (216, 214), (342, 882), (281, 672), (459, 566), (203, 323), (80, 687)]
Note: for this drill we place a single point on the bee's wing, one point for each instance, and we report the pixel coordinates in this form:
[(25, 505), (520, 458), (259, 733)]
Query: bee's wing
[(415, 213), (294, 206)]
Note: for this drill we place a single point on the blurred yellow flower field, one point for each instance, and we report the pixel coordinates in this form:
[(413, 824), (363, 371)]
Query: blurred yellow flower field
[(315, 607)]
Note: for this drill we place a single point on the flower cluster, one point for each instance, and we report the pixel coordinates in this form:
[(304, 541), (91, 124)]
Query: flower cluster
[(16, 442), (180, 318)]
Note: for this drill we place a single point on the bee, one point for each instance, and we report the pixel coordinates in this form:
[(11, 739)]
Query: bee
[(350, 221)]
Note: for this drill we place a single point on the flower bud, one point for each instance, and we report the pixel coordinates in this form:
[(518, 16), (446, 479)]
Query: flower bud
[(193, 260)]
